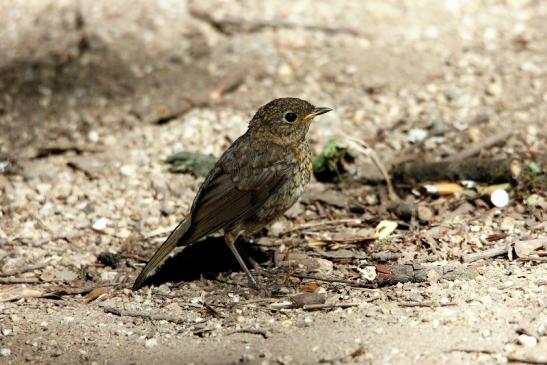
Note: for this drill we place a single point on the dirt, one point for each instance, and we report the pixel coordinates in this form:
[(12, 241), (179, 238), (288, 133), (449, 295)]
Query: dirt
[(96, 95)]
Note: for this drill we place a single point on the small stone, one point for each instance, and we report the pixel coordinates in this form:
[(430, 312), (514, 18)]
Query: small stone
[(240, 319), (65, 275), (127, 170), (100, 224), (93, 136), (368, 272), (433, 277), (425, 214), (494, 89), (277, 228), (167, 208), (285, 70), (536, 200), (308, 263), (416, 135), (527, 341), (5, 352), (303, 299), (294, 211), (499, 198), (287, 323), (151, 342), (507, 224), (474, 134)]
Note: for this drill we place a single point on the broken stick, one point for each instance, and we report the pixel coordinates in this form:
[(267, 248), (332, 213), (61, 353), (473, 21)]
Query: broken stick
[(486, 171), (496, 251)]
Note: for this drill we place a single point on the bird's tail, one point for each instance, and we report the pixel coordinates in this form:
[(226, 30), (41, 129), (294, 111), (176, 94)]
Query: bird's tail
[(168, 246)]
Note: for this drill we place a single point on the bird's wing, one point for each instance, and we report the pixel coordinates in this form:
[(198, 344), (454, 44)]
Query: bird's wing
[(234, 190)]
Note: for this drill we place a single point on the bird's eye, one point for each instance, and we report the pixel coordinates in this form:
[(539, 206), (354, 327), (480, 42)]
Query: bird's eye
[(290, 117)]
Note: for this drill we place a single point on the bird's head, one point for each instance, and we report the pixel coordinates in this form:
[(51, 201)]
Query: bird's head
[(285, 120)]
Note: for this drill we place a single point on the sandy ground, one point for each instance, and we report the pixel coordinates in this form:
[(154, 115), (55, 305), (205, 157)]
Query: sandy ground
[(96, 94)]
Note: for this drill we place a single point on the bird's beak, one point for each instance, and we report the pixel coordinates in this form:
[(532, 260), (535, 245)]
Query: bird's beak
[(316, 112)]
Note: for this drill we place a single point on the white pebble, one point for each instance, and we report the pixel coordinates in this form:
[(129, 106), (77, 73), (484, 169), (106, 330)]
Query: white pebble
[(416, 135), (4, 352), (100, 224), (127, 170), (93, 136), (527, 341), (499, 198)]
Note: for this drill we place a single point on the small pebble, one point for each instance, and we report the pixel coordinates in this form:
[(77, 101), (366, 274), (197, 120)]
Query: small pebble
[(527, 341), (151, 342), (416, 135), (425, 214), (499, 198), (4, 352), (100, 224)]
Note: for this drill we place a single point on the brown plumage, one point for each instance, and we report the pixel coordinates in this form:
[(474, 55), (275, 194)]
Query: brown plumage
[(259, 177)]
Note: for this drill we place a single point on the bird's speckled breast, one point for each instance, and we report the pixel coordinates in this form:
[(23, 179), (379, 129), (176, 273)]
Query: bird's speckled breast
[(289, 191)]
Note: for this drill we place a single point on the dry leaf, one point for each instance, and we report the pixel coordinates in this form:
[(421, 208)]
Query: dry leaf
[(384, 229), (294, 279), (13, 292), (94, 294), (359, 352), (310, 288)]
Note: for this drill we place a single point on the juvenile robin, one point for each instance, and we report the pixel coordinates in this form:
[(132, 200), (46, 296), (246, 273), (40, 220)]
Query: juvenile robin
[(259, 177)]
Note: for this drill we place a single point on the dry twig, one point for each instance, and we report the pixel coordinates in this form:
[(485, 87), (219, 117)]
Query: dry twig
[(333, 280), (10, 280), (253, 331), (476, 148), (428, 304), (493, 252), (313, 307), (231, 25), (314, 225), (368, 151), (471, 350)]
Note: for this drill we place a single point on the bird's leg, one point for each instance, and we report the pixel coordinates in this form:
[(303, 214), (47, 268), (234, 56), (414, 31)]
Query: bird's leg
[(230, 240), (254, 263)]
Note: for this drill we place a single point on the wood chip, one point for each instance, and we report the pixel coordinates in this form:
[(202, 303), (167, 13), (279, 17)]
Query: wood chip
[(94, 294), (384, 229)]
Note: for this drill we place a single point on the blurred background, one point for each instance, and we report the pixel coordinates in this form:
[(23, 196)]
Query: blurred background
[(95, 95)]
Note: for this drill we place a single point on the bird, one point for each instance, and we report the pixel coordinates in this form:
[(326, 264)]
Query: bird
[(259, 177)]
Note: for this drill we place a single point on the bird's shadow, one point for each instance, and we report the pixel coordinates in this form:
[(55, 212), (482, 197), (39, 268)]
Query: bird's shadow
[(205, 258)]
